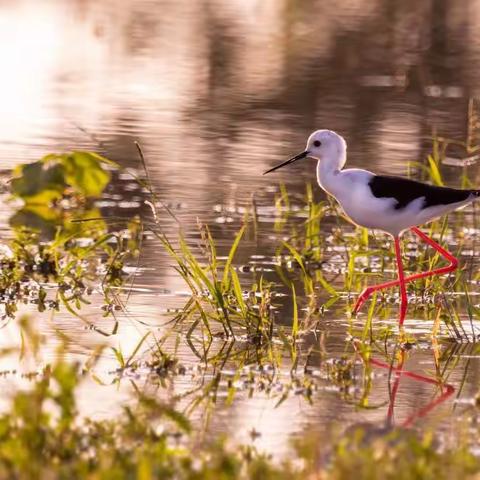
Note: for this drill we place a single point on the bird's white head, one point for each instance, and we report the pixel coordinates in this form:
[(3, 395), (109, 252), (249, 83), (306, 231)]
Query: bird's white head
[(324, 145)]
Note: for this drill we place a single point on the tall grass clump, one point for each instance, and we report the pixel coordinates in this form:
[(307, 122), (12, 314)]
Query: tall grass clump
[(217, 297), (305, 246)]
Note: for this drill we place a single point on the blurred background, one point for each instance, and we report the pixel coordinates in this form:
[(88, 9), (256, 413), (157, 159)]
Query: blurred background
[(216, 91)]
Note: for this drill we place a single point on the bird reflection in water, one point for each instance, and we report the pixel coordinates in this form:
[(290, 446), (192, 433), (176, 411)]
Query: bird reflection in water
[(396, 371)]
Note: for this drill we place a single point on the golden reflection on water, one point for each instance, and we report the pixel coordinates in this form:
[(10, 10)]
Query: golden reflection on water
[(30, 40)]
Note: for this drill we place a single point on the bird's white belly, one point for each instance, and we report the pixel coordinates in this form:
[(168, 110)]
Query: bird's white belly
[(379, 213), (385, 218), (351, 189)]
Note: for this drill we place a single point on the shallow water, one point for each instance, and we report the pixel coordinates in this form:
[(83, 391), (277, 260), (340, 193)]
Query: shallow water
[(216, 93)]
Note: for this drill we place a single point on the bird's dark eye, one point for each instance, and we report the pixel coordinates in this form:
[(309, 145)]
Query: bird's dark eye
[(317, 143)]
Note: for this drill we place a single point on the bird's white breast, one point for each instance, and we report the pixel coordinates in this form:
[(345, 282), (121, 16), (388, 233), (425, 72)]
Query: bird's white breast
[(351, 188)]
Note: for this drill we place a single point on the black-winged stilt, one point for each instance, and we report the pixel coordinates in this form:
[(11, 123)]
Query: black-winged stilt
[(390, 204)]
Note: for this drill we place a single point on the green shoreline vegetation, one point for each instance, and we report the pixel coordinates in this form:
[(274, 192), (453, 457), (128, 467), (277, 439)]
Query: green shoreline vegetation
[(41, 437)]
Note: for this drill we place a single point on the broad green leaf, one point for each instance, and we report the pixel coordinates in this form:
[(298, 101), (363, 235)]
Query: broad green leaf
[(39, 182), (88, 222), (84, 172), (37, 217)]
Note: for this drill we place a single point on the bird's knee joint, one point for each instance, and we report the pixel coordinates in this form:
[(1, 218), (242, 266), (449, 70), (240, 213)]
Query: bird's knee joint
[(454, 264), (368, 291)]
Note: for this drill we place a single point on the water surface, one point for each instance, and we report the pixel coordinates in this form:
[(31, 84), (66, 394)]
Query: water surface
[(216, 93)]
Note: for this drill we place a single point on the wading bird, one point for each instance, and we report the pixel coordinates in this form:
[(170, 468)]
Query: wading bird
[(390, 204)]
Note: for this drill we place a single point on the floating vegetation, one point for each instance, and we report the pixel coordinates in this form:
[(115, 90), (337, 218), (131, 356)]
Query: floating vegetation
[(57, 176), (62, 248)]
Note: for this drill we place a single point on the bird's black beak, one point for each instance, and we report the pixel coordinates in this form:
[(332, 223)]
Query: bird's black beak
[(288, 162)]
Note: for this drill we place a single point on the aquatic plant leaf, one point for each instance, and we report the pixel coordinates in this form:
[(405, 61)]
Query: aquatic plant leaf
[(237, 288), (37, 217), (119, 356), (306, 276), (326, 285), (178, 418), (84, 172), (39, 182), (85, 222), (368, 324)]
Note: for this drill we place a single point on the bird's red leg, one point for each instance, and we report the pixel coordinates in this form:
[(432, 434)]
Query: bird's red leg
[(401, 280), (453, 264)]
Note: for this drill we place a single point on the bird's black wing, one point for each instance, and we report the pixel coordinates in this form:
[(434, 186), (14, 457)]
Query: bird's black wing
[(405, 191)]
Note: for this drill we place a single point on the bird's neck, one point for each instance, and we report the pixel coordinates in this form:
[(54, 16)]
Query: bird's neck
[(328, 169)]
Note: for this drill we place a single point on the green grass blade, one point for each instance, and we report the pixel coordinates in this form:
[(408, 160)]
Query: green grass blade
[(237, 288), (231, 254), (434, 172), (137, 348), (295, 314), (298, 258)]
